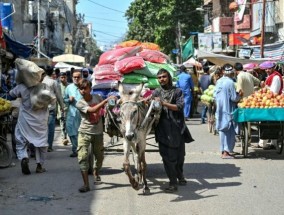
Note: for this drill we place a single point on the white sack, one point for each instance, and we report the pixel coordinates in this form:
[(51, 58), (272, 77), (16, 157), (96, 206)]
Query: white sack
[(41, 97), (28, 72)]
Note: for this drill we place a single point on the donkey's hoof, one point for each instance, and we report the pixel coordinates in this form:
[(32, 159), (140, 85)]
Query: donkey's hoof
[(135, 185), (146, 191)]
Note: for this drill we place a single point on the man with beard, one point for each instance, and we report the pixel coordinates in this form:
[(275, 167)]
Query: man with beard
[(171, 132), (73, 117), (274, 83)]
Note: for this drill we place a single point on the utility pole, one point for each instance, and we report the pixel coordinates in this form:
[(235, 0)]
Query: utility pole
[(263, 29), (38, 29), (179, 57)]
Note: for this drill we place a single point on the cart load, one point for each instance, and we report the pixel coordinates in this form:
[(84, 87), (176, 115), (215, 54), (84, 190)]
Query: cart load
[(263, 98), (207, 96), (5, 105)]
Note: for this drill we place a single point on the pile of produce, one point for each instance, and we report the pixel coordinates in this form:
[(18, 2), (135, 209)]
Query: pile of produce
[(263, 98), (5, 105), (207, 96)]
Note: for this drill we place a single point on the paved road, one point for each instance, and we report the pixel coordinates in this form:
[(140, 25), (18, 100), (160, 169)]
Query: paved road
[(215, 186)]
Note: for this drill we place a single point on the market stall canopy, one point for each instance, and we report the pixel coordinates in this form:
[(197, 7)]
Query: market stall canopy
[(220, 59), (192, 62), (65, 66), (70, 58)]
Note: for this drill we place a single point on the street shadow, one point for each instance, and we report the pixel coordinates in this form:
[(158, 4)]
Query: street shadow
[(198, 179)]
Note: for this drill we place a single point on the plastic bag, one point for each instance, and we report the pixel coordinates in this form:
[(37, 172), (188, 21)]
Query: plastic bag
[(41, 97), (28, 72)]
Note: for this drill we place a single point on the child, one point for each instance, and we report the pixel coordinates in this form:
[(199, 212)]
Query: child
[(90, 132)]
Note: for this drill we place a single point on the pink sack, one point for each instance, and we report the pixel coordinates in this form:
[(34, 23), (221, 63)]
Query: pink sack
[(129, 64), (153, 56), (110, 57), (106, 71)]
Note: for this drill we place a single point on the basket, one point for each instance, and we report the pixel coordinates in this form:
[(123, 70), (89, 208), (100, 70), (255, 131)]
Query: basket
[(269, 130)]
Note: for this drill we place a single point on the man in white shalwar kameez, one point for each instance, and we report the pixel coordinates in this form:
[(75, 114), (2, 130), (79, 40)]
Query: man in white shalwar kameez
[(31, 128)]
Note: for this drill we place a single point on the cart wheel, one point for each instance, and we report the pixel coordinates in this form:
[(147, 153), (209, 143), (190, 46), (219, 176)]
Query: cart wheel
[(90, 159), (245, 139), (280, 141)]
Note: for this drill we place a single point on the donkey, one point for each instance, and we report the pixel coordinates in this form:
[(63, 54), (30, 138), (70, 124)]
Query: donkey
[(137, 119)]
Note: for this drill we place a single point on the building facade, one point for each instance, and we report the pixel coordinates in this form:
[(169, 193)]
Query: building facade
[(241, 28)]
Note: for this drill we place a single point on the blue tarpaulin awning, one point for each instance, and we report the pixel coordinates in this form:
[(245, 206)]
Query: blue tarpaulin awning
[(17, 48)]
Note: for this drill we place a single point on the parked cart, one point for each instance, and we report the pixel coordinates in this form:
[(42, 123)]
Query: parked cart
[(269, 121), (211, 116)]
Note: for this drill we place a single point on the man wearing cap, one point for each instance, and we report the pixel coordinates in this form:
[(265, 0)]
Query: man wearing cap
[(226, 99), (86, 74), (275, 84)]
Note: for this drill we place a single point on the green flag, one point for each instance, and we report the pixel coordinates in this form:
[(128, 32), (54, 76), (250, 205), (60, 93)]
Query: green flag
[(187, 49)]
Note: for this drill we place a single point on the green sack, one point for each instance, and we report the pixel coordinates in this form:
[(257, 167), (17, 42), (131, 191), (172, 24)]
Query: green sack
[(153, 83), (152, 69), (132, 78)]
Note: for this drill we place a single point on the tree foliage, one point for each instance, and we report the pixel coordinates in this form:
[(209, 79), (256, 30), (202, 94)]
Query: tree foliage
[(157, 21)]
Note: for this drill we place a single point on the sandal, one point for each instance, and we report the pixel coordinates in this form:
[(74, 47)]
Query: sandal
[(98, 180), (84, 189), (171, 189), (182, 182)]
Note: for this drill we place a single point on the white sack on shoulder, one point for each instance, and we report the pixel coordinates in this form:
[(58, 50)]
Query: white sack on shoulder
[(28, 72), (41, 97)]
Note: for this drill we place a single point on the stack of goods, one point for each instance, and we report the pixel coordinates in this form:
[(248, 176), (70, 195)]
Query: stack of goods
[(207, 96), (131, 62), (263, 98)]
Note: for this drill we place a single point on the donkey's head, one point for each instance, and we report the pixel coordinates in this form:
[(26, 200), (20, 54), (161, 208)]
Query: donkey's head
[(130, 111)]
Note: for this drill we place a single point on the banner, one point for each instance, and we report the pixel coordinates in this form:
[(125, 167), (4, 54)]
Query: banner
[(187, 49), (239, 14)]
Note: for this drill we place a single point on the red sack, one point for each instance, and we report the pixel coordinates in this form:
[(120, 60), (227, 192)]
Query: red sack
[(110, 57), (129, 64), (153, 56), (106, 71)]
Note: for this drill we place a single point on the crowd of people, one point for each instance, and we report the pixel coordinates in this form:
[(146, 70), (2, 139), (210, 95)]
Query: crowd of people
[(79, 114)]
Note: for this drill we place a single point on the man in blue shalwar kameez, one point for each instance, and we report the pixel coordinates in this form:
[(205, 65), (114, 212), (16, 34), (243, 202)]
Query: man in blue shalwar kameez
[(226, 99), (73, 117), (185, 83)]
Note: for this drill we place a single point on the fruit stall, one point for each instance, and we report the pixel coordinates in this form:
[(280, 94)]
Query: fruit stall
[(264, 110)]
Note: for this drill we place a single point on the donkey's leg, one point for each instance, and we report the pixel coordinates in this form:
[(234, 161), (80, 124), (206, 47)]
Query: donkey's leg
[(146, 190), (126, 166)]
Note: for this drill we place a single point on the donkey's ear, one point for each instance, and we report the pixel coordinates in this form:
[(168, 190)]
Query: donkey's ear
[(120, 87), (139, 88)]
